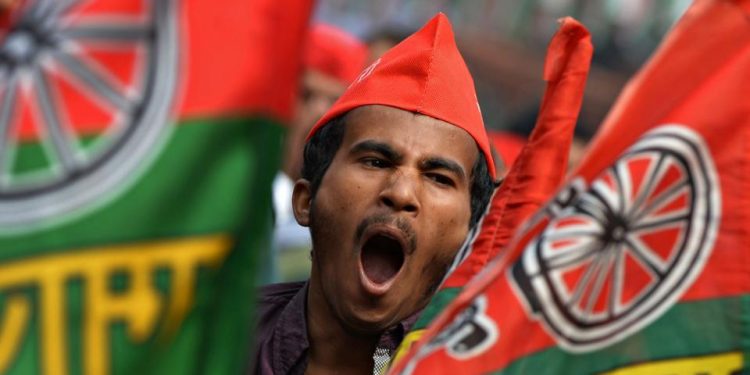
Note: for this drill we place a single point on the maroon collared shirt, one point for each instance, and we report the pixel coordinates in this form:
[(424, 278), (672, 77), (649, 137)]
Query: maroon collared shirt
[(281, 336)]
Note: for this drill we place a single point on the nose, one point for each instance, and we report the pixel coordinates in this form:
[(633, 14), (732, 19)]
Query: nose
[(400, 193)]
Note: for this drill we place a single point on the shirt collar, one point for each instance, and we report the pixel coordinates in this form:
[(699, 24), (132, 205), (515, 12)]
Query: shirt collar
[(291, 342)]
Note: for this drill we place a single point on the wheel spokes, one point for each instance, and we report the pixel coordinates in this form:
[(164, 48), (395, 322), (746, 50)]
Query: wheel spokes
[(7, 111), (562, 234), (109, 33), (50, 10), (63, 143), (661, 221), (609, 197), (618, 283), (650, 178), (98, 83), (605, 264), (594, 206), (583, 283), (646, 256), (671, 194), (620, 173), (570, 257)]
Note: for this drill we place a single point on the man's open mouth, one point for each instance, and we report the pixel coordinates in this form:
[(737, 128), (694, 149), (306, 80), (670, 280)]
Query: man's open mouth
[(382, 257)]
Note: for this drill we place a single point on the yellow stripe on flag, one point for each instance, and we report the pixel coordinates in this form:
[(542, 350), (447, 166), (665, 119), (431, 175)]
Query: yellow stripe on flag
[(722, 364), (406, 345)]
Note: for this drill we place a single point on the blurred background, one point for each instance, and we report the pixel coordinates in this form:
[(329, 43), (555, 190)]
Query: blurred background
[(504, 44)]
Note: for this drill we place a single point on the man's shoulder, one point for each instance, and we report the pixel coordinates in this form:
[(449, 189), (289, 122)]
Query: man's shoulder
[(273, 299), (281, 332), (280, 293)]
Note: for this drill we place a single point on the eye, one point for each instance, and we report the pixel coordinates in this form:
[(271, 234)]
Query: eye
[(375, 162), (441, 179)]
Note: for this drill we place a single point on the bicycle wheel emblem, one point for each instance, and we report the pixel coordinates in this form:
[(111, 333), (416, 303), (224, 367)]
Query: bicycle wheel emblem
[(85, 92), (615, 255)]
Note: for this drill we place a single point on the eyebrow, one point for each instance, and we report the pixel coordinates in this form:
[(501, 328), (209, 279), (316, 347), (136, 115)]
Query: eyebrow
[(382, 148), (388, 152), (440, 163)]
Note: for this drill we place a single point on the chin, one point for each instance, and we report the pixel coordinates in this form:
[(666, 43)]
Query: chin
[(371, 322)]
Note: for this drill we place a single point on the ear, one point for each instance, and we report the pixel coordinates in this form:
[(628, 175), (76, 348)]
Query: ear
[(301, 202)]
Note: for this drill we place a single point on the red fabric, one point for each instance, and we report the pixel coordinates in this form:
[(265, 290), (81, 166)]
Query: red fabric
[(540, 168), (686, 111), (425, 74), (5, 16), (242, 57), (508, 145), (7, 12), (334, 52), (233, 61)]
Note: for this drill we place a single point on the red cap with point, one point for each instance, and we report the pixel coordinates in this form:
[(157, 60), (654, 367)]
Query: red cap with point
[(424, 74)]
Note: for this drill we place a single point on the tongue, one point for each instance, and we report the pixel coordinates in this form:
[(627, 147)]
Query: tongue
[(381, 259)]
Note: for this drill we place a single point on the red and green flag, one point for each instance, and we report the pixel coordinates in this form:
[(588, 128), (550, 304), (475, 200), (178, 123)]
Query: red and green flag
[(640, 264), (138, 142)]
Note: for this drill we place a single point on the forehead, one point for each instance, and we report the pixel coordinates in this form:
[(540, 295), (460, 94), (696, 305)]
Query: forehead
[(411, 133)]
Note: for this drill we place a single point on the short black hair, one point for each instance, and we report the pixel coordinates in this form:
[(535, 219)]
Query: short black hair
[(322, 146)]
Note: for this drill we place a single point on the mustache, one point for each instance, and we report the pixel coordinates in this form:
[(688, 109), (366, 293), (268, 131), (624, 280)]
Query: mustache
[(400, 223)]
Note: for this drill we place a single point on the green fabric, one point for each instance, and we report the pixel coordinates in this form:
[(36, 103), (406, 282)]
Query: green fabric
[(437, 304), (213, 177), (706, 327), (208, 163)]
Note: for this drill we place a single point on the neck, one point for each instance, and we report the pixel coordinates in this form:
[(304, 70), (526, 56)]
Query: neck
[(333, 347)]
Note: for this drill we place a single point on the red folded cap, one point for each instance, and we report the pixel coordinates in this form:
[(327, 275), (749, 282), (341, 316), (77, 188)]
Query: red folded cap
[(425, 74), (335, 53)]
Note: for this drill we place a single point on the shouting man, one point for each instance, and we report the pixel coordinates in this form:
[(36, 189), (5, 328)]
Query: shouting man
[(394, 176)]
